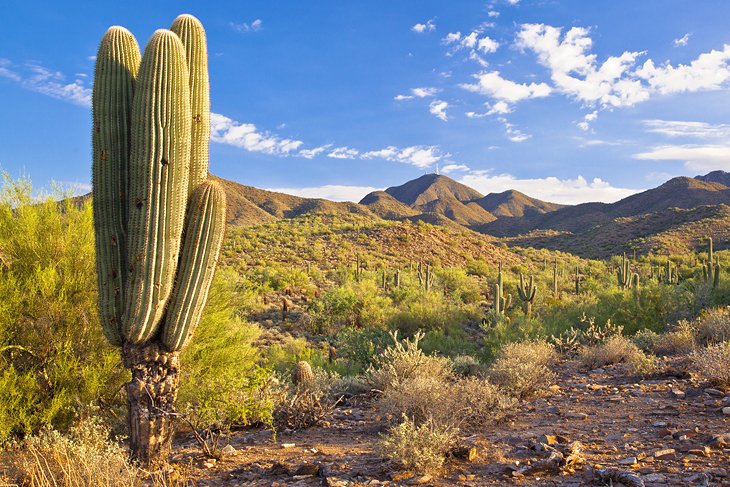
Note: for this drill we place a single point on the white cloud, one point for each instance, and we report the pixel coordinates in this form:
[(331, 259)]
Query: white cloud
[(451, 37), (333, 192), (493, 14), (493, 85), (254, 26), (37, 78), (424, 92), (312, 153), (487, 45), (682, 41), (343, 153), (224, 130), (499, 108), (427, 27), (695, 157), (513, 2), (438, 108), (420, 156), (449, 168), (678, 128), (472, 43), (590, 117), (710, 71), (565, 191)]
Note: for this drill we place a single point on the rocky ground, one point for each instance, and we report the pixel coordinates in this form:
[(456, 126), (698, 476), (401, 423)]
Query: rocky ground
[(595, 428)]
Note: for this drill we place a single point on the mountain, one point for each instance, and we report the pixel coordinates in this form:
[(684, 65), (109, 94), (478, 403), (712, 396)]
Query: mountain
[(436, 198), (252, 206), (721, 177), (512, 203)]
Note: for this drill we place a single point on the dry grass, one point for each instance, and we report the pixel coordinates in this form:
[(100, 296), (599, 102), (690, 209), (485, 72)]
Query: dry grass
[(712, 363), (522, 369), (84, 457), (418, 447)]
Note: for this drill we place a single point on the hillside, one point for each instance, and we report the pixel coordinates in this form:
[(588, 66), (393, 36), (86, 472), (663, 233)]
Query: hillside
[(512, 203)]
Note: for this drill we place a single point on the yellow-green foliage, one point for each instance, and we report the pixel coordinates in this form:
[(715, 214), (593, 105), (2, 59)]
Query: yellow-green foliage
[(712, 364), (522, 369), (54, 359), (418, 447), (221, 381)]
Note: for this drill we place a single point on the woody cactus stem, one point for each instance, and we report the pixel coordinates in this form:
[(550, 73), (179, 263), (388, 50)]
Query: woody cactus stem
[(153, 285), (527, 293)]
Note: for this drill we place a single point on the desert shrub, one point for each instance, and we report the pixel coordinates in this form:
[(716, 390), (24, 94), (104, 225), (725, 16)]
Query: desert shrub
[(475, 403), (679, 340), (429, 311), (300, 410), (333, 386), (54, 359), (418, 447), (357, 347), (617, 349), (353, 304), (522, 369), (713, 326), (419, 397), (712, 363), (449, 341), (403, 361), (466, 365), (456, 283), (83, 457), (586, 334)]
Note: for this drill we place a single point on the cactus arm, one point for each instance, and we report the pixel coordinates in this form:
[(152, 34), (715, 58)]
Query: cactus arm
[(159, 167), (204, 229), (117, 63), (192, 35)]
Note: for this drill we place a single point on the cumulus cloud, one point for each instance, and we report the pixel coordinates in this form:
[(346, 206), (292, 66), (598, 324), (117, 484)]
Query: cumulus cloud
[(494, 85), (710, 71), (438, 108), (474, 43), (331, 192), (420, 156), (224, 130), (254, 26), (590, 117), (553, 189), (493, 14), (427, 27), (682, 41), (312, 153)]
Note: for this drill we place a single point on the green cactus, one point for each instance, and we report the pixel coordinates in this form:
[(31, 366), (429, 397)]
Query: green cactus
[(302, 376), (556, 294), (711, 268), (578, 279), (501, 302), (153, 284), (527, 293), (623, 273)]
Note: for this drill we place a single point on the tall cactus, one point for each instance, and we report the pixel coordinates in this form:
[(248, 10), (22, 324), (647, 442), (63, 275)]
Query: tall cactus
[(159, 222), (556, 294), (501, 301), (527, 292), (711, 269), (624, 275)]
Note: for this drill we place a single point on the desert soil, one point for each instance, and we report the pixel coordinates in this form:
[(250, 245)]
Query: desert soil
[(666, 431)]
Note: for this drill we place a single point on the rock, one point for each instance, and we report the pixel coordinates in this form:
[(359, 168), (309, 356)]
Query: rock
[(468, 454), (336, 482), (714, 392), (288, 445), (628, 461), (307, 469), (419, 480), (717, 472), (554, 388), (659, 424), (654, 477), (548, 439), (552, 410), (720, 441), (209, 464), (677, 394), (666, 454), (228, 450), (726, 410), (578, 416)]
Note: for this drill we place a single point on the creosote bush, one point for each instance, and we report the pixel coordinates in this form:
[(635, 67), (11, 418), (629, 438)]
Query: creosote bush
[(522, 369), (713, 326), (618, 349), (419, 447), (712, 364)]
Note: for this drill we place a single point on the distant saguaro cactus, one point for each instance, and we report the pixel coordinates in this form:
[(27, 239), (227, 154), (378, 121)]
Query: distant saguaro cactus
[(527, 292), (711, 269), (624, 274), (159, 222)]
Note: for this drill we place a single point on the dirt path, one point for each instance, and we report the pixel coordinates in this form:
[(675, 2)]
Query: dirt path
[(661, 430)]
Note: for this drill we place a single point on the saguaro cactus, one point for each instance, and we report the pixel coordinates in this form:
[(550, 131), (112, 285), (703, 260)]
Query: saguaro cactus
[(159, 222), (624, 274), (711, 268), (527, 293), (501, 302)]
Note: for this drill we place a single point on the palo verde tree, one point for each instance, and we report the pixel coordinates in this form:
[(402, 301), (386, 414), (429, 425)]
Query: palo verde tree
[(159, 221)]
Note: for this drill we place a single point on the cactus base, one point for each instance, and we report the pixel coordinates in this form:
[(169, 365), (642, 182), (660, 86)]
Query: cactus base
[(150, 398)]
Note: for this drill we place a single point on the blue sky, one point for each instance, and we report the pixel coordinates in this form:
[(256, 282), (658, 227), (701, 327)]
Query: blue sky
[(568, 101)]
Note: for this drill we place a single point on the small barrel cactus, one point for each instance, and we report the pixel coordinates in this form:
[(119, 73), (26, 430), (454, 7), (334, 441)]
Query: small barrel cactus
[(302, 376)]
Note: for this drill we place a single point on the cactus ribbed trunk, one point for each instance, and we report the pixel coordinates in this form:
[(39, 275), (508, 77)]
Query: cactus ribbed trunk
[(150, 399)]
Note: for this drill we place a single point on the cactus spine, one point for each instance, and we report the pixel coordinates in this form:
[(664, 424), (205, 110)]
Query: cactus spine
[(527, 293), (153, 285)]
